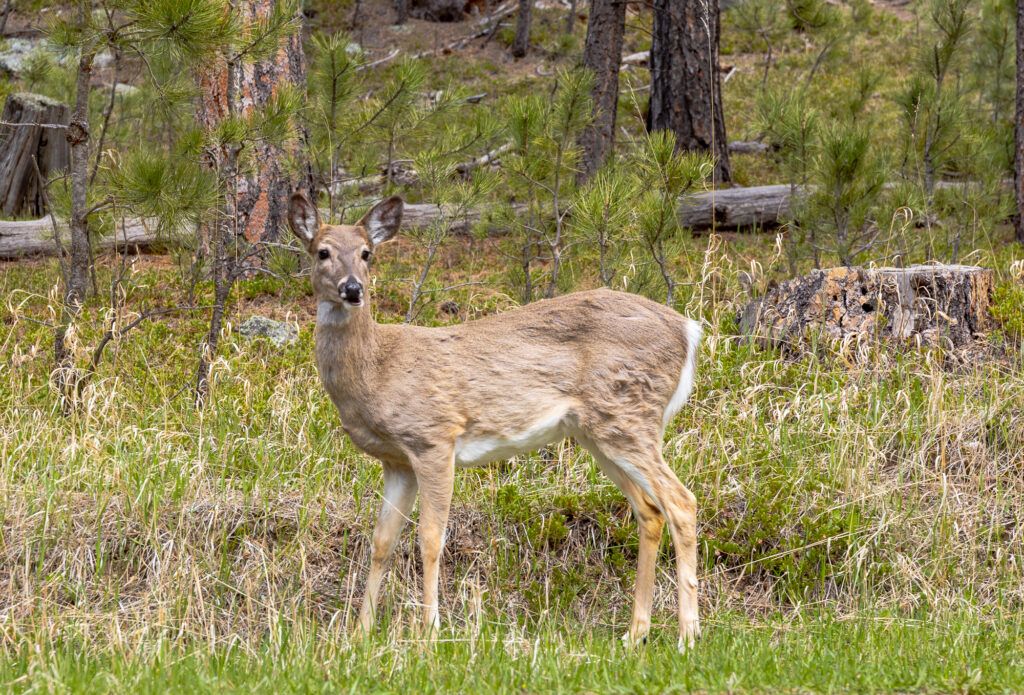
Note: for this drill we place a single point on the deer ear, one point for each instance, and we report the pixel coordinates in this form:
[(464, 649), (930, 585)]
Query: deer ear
[(383, 220), (303, 218)]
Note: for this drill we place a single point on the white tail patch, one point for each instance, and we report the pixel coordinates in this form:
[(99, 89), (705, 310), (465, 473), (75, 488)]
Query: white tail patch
[(693, 334)]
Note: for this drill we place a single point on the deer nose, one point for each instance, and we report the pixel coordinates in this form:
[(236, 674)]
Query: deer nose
[(351, 291)]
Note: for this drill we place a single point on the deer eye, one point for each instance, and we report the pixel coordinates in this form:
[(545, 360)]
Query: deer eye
[(324, 254), (366, 254)]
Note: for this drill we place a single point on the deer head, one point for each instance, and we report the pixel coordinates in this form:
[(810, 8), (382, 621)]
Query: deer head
[(341, 253)]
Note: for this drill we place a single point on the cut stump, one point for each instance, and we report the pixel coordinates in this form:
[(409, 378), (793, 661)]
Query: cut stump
[(20, 188), (927, 304)]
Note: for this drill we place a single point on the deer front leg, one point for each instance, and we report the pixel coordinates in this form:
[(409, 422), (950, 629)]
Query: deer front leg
[(436, 477), (399, 495)]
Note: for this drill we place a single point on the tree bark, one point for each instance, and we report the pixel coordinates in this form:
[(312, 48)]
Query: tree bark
[(259, 209), (570, 19), (78, 139), (24, 238), (1018, 159), (929, 305), (6, 13), (254, 206), (21, 190), (686, 86), (438, 10), (602, 54), (401, 11), (521, 42), (77, 282)]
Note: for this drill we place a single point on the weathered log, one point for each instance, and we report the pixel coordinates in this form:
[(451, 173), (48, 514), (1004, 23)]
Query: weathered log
[(641, 58), (728, 208), (944, 305), (751, 206), (741, 147), (19, 239), (35, 237), (755, 206), (33, 127)]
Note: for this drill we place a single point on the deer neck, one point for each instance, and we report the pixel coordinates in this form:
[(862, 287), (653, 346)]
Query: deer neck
[(346, 345)]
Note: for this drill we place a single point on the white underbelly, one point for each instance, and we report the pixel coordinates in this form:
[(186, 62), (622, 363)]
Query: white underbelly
[(476, 450)]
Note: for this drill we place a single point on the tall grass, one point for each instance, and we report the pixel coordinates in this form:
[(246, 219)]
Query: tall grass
[(848, 494)]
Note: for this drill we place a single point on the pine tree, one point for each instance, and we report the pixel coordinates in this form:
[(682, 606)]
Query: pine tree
[(147, 28), (237, 84)]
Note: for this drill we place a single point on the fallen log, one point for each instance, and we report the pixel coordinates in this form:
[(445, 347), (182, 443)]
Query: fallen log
[(22, 238), (757, 206), (945, 305), (741, 147), (731, 208), (640, 58), (35, 237)]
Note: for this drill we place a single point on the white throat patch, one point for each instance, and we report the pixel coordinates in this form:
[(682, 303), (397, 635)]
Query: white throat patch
[(331, 314)]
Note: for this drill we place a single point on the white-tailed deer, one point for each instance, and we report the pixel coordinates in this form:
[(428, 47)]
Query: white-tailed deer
[(608, 368)]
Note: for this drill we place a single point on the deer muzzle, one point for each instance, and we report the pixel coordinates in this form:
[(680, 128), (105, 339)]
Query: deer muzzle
[(351, 291)]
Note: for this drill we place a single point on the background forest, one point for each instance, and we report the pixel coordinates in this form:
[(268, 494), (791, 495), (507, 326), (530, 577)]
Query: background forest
[(179, 509)]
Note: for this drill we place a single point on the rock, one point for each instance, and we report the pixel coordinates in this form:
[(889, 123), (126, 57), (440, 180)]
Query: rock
[(944, 305), (103, 60), (277, 332), (125, 90), (13, 55)]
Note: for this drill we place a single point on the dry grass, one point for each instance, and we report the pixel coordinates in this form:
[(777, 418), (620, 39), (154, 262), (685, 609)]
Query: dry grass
[(875, 480)]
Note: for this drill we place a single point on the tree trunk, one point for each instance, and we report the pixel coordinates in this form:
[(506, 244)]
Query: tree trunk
[(438, 10), (78, 139), (1018, 159), (255, 202), (943, 305), (21, 191), (570, 19), (223, 279), (77, 280), (259, 209), (401, 11), (6, 13), (522, 38), (686, 86), (602, 54)]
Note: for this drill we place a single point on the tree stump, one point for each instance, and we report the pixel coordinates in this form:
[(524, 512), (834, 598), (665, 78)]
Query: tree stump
[(20, 188), (927, 304)]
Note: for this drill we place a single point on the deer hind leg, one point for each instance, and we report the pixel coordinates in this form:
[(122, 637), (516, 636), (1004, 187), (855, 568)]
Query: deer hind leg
[(399, 495), (645, 467), (436, 476), (650, 524)]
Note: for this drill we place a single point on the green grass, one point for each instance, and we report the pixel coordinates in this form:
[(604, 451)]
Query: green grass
[(860, 520), (859, 517), (805, 653)]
